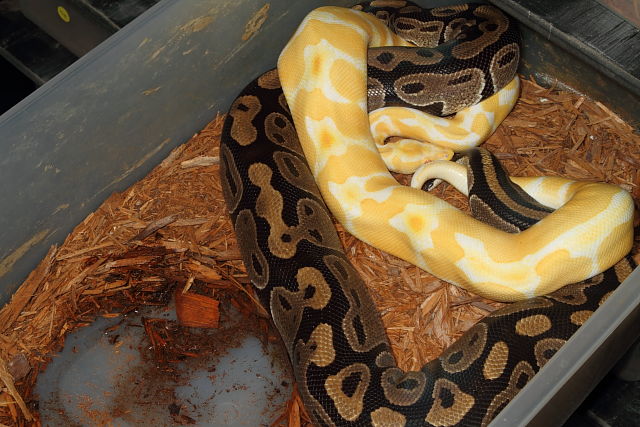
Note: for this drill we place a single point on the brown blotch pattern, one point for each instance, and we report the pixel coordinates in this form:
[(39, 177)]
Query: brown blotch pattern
[(604, 298), (449, 10), (466, 350), (521, 374), (282, 100), (448, 414), (383, 15), (347, 389), (301, 358), (388, 58), (252, 256), (410, 9), (385, 360), (521, 306), (454, 91), (574, 294), (455, 27), (375, 94), (288, 306), (314, 224), (296, 171), (403, 388), (623, 269), (510, 197), (325, 354), (244, 110), (279, 129), (485, 213), (579, 317), (232, 186), (504, 65), (490, 35), (388, 3), (361, 324), (496, 361), (385, 417), (534, 325), (420, 33), (546, 348), (269, 80)]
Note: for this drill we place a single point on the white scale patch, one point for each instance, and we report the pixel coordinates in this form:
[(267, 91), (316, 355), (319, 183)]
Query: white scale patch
[(502, 273), (324, 54), (536, 188), (417, 222), (329, 141), (353, 192)]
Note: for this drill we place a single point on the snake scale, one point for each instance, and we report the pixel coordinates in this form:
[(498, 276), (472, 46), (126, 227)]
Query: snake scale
[(340, 354)]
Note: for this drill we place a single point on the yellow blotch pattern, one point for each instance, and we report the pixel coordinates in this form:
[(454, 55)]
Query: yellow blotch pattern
[(591, 230)]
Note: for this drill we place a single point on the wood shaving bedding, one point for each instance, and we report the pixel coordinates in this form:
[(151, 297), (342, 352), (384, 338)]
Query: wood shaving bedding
[(172, 228)]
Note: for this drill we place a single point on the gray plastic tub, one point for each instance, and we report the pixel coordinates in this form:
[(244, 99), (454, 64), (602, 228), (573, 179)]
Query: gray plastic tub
[(107, 120)]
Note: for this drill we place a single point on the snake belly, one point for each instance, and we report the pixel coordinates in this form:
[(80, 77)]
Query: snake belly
[(341, 358)]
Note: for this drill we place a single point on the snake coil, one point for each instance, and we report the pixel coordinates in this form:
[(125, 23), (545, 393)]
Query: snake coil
[(340, 354)]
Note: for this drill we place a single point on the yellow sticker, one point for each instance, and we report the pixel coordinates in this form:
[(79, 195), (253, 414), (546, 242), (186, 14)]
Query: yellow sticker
[(63, 14)]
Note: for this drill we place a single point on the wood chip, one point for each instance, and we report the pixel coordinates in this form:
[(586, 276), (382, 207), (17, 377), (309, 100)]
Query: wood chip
[(30, 286), (200, 162), (7, 380), (154, 226), (172, 226), (197, 311)]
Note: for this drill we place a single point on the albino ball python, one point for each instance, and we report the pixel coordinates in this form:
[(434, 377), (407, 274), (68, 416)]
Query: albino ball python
[(341, 357), (427, 138), (322, 71)]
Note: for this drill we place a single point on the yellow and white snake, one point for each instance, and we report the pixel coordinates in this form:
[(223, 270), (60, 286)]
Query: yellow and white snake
[(322, 70), (338, 348)]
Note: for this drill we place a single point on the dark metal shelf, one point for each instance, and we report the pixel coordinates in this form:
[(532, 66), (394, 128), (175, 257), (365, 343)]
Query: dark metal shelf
[(41, 38), (29, 49)]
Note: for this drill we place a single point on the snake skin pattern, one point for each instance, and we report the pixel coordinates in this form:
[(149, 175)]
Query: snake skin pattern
[(445, 75), (340, 354), (341, 357), (427, 138), (322, 72)]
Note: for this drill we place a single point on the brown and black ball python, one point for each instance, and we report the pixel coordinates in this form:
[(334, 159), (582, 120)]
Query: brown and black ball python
[(340, 354), (443, 76)]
